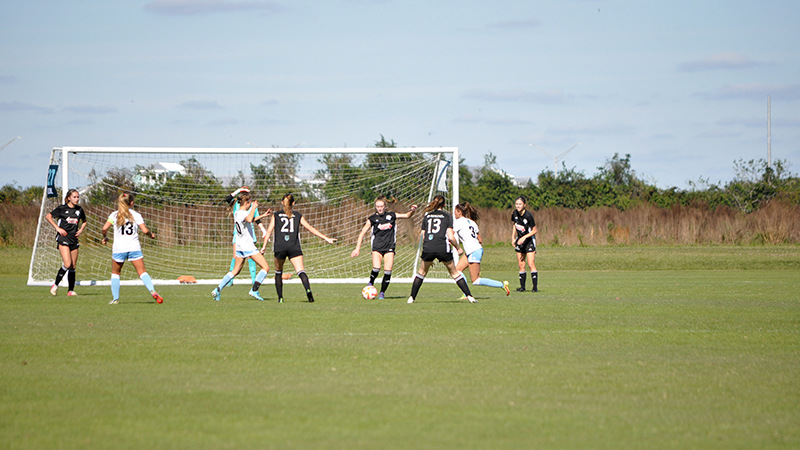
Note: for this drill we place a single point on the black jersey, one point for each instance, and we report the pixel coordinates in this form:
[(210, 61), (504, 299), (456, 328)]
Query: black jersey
[(523, 223), (384, 231), (434, 227), (68, 218), (287, 237)]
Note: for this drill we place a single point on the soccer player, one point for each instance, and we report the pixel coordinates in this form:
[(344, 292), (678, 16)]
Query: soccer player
[(127, 223), (384, 236), (523, 239), (251, 264), (468, 233), (70, 225), (286, 244), (245, 247), (437, 238)]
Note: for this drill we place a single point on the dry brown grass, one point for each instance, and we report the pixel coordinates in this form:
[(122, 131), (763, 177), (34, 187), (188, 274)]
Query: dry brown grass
[(777, 223)]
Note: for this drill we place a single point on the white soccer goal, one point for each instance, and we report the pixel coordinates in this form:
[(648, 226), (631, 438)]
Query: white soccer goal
[(180, 193)]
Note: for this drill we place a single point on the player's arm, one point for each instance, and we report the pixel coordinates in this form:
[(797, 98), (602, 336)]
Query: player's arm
[(361, 235), (147, 231), (315, 232), (451, 236), (269, 233), (409, 214), (83, 225), (251, 213), (106, 226), (232, 196), (59, 230)]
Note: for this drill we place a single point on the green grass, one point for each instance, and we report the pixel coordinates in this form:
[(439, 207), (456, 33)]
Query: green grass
[(624, 347)]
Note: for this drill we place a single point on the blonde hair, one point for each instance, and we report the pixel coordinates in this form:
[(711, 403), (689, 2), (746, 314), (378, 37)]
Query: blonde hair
[(244, 197), (436, 203), (287, 201), (124, 202), (69, 192)]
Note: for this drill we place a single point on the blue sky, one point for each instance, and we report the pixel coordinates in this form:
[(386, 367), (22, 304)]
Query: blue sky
[(681, 86)]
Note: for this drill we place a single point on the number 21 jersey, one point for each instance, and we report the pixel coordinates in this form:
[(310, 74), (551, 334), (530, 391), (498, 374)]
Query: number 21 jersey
[(287, 237)]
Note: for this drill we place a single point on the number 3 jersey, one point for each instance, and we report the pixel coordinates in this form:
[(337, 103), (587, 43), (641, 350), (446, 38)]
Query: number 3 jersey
[(287, 237), (467, 231), (126, 236), (434, 229)]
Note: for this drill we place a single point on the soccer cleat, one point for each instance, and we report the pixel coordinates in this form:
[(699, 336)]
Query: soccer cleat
[(158, 298), (381, 297), (280, 300), (255, 295), (471, 299), (410, 300), (71, 294), (215, 294), (54, 289), (521, 289), (463, 297), (505, 288), (310, 298), (114, 301), (536, 289)]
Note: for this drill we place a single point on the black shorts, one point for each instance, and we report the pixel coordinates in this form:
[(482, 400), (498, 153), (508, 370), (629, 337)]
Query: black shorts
[(70, 241), (383, 251), (288, 254), (443, 257), (529, 246)]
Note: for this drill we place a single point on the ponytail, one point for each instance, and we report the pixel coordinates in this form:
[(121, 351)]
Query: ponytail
[(287, 202), (436, 203), (124, 202), (468, 211)]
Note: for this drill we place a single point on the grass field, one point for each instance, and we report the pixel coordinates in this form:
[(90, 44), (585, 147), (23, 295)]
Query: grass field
[(624, 347)]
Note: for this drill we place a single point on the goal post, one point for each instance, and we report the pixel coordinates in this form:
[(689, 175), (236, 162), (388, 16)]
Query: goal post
[(180, 192)]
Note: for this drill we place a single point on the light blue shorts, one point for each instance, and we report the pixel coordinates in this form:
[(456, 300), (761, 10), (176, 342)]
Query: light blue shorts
[(476, 256), (243, 255), (129, 256)]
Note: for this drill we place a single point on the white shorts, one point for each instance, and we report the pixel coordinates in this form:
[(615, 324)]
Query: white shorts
[(243, 255)]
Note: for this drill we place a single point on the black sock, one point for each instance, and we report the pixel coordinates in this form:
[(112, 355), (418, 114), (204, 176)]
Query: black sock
[(71, 279), (523, 276), (306, 284), (418, 279), (373, 275), (387, 277), (256, 285), (60, 275), (462, 283), (535, 280), (279, 284)]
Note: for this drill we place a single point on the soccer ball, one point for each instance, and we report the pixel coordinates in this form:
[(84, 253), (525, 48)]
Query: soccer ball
[(369, 292)]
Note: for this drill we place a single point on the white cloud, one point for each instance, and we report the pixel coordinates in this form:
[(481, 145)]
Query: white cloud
[(726, 60), (517, 24), (476, 118), (200, 104), (604, 129), (21, 107), (548, 96), (199, 7), (754, 91), (91, 109)]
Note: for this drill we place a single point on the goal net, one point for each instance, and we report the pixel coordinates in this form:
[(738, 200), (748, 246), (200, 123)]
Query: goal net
[(181, 193)]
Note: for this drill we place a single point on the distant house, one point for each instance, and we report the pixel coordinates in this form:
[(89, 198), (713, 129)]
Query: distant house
[(475, 171), (158, 173)]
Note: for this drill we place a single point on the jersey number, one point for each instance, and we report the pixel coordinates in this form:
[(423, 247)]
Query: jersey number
[(127, 228), (288, 225), (434, 226), (474, 234)]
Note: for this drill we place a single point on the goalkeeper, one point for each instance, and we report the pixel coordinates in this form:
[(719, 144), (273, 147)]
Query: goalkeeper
[(231, 201)]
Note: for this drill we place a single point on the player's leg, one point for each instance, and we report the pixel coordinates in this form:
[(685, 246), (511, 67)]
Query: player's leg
[(523, 276), (534, 272), (227, 280), (258, 258), (458, 277), (388, 263), (279, 277), (138, 264), (299, 268), (376, 267), (73, 256), (116, 269), (66, 259), (418, 279)]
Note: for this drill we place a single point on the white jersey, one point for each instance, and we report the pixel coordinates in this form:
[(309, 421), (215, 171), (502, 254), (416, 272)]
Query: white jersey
[(126, 236), (243, 232), (467, 232)]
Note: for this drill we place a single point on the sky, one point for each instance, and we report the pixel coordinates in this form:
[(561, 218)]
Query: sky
[(681, 86)]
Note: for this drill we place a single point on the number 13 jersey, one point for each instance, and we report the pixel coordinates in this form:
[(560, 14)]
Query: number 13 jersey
[(126, 236), (287, 236), (434, 228)]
